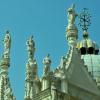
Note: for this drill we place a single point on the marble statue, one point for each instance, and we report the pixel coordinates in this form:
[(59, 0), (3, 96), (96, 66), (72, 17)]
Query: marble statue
[(30, 47), (47, 63), (7, 44), (71, 15)]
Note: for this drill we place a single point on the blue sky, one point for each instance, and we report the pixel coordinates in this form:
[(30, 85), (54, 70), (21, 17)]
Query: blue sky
[(46, 20)]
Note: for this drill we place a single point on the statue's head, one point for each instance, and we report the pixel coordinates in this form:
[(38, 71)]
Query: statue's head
[(71, 9)]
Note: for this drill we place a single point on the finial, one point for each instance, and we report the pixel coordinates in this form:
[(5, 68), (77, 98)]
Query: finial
[(85, 21)]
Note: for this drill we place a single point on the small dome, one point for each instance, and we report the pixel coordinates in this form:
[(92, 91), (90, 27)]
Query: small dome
[(87, 46), (82, 46)]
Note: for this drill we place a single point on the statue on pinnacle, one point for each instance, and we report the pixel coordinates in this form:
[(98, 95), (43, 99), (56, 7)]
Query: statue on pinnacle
[(7, 44), (30, 47), (71, 15), (71, 29)]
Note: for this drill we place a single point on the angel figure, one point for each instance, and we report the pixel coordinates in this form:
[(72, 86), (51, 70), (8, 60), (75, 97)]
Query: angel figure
[(71, 15)]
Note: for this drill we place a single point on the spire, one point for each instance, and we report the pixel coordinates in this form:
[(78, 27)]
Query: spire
[(31, 70), (4, 65), (71, 30)]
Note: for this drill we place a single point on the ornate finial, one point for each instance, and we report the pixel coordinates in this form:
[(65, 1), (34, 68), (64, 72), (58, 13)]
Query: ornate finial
[(71, 15), (30, 47), (85, 19)]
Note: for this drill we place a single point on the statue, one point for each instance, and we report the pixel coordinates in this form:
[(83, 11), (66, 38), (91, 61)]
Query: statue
[(7, 44), (30, 47), (47, 63), (71, 15)]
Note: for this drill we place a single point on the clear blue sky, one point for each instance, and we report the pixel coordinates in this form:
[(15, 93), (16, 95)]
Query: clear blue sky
[(46, 20)]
